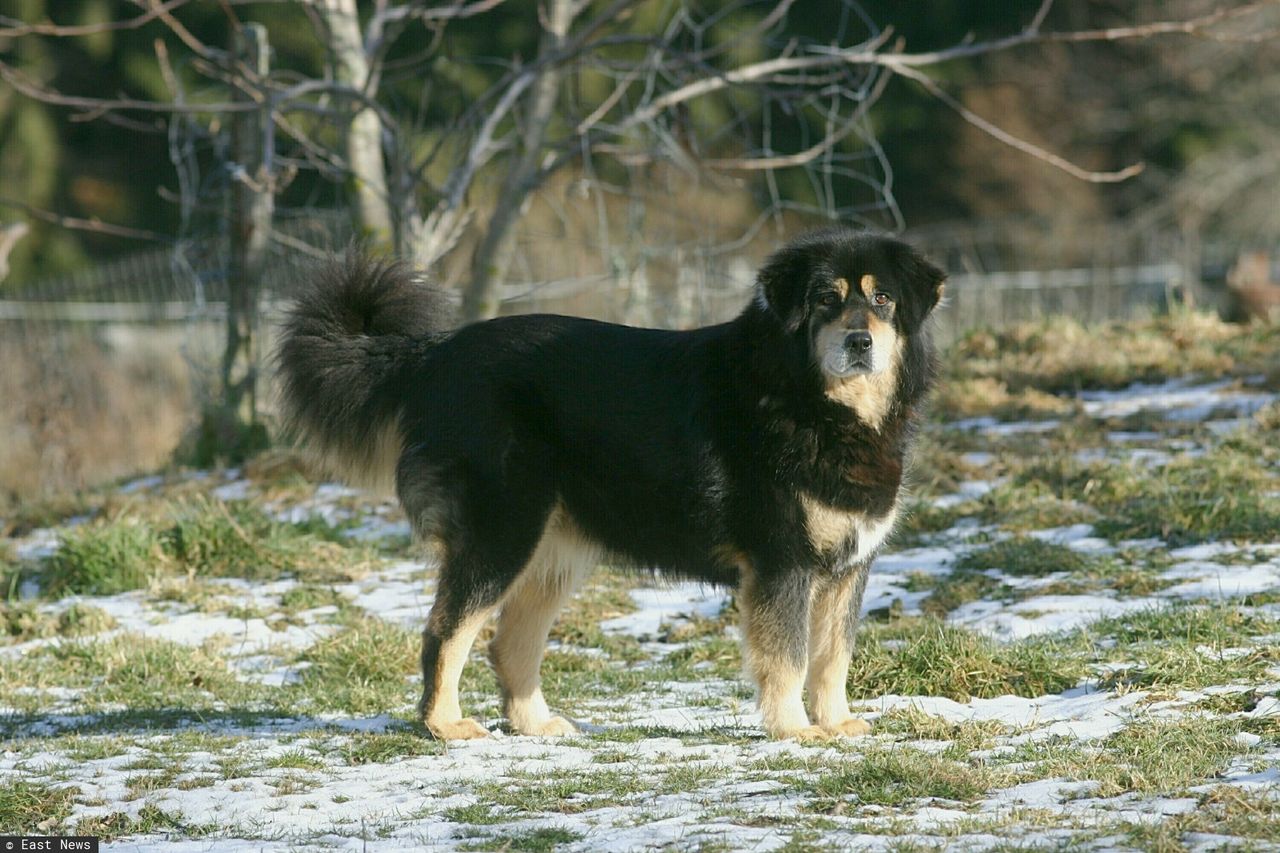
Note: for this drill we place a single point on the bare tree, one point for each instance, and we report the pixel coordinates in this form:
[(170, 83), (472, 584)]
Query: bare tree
[(736, 96)]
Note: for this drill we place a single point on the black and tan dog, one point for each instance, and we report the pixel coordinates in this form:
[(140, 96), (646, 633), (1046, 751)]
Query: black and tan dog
[(764, 453)]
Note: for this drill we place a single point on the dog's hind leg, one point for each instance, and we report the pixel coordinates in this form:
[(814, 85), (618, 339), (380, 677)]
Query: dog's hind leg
[(561, 562), (446, 642), (833, 620), (485, 550), (775, 632)]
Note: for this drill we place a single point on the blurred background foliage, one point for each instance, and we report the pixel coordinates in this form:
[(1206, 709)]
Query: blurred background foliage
[(1201, 113)]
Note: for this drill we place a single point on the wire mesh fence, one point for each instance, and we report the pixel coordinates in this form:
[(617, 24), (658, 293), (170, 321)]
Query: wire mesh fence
[(105, 371)]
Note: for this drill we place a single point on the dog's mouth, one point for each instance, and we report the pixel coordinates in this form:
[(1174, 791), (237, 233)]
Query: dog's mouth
[(840, 363)]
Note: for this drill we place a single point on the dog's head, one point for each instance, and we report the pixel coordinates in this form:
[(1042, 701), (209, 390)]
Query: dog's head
[(851, 297)]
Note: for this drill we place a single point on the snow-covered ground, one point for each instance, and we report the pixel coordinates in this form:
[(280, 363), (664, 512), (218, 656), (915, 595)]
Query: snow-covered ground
[(681, 763)]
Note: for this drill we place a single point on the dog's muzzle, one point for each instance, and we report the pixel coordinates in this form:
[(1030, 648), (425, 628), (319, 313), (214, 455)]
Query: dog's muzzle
[(850, 356)]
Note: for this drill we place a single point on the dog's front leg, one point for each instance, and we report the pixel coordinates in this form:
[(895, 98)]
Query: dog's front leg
[(832, 624), (775, 634)]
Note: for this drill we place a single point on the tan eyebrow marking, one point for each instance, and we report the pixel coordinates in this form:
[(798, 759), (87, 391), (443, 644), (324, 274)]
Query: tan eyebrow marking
[(868, 285), (842, 286)]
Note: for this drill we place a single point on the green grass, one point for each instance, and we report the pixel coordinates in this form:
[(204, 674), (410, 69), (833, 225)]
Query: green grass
[(1152, 756), (362, 669), (198, 537), (563, 791), (1023, 505), (51, 511), (957, 588), (1188, 646), (1229, 493), (1251, 817), (541, 840), (134, 671), (215, 539), (1219, 625), (308, 596), (475, 814), (30, 620), (898, 775), (1077, 573), (149, 820), (103, 558), (386, 747), (926, 657), (909, 723), (1022, 556), (33, 808)]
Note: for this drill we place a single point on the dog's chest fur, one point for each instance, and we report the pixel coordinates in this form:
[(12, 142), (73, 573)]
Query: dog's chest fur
[(847, 538), (852, 501)]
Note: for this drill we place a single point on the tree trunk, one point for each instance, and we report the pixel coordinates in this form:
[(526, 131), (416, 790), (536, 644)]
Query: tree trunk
[(371, 211), (230, 429), (493, 255)]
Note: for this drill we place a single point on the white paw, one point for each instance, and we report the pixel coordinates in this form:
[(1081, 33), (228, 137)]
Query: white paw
[(852, 727), (463, 728), (550, 727)]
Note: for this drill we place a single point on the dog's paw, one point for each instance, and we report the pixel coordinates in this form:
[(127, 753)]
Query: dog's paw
[(550, 727), (852, 727), (809, 734), (464, 728)]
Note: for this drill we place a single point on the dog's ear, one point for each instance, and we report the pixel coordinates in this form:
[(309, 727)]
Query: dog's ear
[(923, 281), (783, 284)]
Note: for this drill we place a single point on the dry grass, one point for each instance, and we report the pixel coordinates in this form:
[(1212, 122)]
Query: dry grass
[(1063, 354), (79, 411)]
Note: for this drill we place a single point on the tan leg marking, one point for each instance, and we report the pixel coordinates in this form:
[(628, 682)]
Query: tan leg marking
[(562, 560), (778, 681), (829, 654), (444, 718)]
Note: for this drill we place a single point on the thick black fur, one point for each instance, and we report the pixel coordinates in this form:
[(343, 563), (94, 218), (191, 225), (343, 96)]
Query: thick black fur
[(676, 450)]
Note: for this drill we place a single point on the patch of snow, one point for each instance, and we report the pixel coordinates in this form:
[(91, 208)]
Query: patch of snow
[(1216, 581), (930, 561), (662, 605), (1040, 794), (988, 425), (1077, 537), (236, 490), (141, 484), (1045, 614), (1177, 400), (397, 593), (977, 458)]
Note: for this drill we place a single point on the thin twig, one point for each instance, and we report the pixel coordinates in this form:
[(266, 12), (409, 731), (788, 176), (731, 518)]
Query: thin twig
[(76, 224), (1017, 142), (12, 28)]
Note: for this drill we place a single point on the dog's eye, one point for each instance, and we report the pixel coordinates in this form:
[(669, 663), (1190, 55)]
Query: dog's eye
[(880, 298), (829, 298)]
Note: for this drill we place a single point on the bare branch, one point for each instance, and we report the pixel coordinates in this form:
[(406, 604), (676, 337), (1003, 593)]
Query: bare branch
[(799, 158), (22, 84), (1017, 142), (1190, 26), (1041, 14), (9, 27), (184, 35), (458, 10), (76, 224)]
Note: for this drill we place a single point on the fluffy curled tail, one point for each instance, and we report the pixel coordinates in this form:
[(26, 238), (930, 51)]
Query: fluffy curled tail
[(343, 359)]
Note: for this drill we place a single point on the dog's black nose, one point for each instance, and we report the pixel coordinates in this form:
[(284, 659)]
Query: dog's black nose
[(858, 341)]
